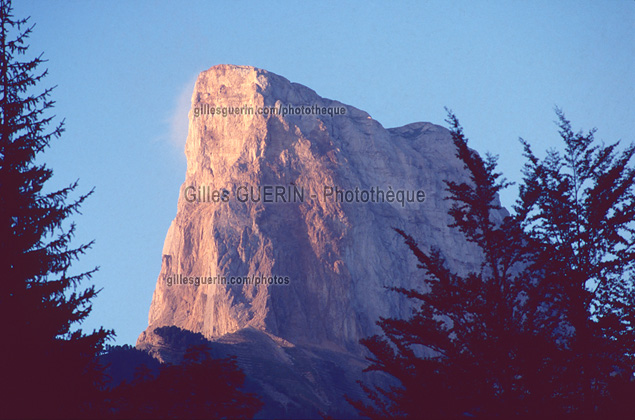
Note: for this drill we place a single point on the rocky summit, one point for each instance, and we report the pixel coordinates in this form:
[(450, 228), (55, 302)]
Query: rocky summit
[(283, 245)]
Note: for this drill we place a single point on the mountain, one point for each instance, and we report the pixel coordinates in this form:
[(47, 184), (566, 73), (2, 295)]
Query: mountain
[(282, 246)]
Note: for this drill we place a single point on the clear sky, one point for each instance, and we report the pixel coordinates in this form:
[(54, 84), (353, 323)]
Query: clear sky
[(125, 73)]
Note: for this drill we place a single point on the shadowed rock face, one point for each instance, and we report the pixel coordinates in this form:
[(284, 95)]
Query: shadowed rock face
[(338, 256)]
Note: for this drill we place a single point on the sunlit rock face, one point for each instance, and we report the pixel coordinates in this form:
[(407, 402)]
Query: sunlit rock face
[(303, 197)]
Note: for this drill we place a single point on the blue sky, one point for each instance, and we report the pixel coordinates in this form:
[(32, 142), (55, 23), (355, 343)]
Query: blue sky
[(125, 73)]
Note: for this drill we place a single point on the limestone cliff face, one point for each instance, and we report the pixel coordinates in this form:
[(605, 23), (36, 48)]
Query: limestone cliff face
[(338, 257)]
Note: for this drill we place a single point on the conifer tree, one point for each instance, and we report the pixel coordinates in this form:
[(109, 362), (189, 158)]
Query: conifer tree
[(580, 207), (48, 367), (199, 387), (469, 347), (546, 327)]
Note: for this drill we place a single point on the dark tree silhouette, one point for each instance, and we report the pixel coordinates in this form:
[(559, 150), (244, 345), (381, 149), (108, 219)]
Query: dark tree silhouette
[(466, 349), (198, 388), (580, 208), (47, 368), (125, 363), (545, 327)]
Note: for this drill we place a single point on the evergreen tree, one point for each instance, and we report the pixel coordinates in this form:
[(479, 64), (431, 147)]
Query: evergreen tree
[(200, 387), (546, 326), (470, 347), (48, 369), (580, 208)]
